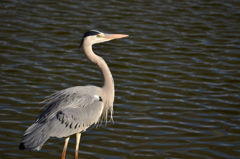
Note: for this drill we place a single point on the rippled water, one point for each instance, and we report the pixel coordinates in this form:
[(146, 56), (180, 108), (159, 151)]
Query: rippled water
[(177, 75)]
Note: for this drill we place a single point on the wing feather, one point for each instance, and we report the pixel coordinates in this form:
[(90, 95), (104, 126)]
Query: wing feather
[(73, 120), (68, 111)]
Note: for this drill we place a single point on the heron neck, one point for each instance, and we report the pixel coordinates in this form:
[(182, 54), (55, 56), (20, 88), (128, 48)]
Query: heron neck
[(108, 83)]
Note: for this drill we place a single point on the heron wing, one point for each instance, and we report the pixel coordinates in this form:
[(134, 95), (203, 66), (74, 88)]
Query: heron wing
[(72, 120), (72, 111), (67, 114)]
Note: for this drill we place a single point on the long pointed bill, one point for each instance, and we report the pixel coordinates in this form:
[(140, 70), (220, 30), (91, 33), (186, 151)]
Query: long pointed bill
[(114, 36)]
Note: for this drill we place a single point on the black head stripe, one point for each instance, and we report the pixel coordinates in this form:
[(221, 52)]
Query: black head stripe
[(90, 33)]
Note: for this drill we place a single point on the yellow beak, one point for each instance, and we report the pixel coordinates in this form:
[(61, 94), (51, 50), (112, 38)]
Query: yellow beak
[(114, 36)]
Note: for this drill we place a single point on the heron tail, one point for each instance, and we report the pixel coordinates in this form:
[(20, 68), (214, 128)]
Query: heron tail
[(33, 144), (34, 138)]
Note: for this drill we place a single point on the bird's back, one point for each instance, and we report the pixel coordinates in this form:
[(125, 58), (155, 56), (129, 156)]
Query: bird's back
[(68, 111)]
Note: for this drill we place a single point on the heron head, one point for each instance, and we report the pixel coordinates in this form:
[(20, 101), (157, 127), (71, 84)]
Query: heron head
[(95, 37)]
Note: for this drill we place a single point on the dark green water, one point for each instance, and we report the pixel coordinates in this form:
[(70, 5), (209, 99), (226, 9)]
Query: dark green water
[(177, 75)]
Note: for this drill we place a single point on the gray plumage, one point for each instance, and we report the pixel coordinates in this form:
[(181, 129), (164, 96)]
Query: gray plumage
[(69, 111), (73, 110)]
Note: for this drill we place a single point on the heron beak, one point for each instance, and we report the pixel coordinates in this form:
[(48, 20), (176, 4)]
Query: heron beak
[(114, 36)]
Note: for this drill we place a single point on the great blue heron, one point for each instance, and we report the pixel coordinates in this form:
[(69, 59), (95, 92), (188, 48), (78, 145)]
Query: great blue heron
[(73, 110)]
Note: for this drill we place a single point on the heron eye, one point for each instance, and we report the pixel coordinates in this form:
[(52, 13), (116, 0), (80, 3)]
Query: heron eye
[(100, 35)]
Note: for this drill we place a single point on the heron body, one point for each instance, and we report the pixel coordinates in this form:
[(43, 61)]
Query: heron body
[(73, 110)]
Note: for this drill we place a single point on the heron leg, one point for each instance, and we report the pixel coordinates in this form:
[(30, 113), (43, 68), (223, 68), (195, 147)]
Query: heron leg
[(65, 147), (78, 136)]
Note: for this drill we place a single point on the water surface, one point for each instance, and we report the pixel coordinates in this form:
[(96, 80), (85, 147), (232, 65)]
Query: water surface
[(177, 75)]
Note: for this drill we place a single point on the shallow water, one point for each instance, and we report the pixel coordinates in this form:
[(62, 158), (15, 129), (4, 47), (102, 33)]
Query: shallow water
[(177, 75)]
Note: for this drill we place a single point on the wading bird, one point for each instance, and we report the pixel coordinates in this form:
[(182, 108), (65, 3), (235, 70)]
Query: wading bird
[(73, 110)]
